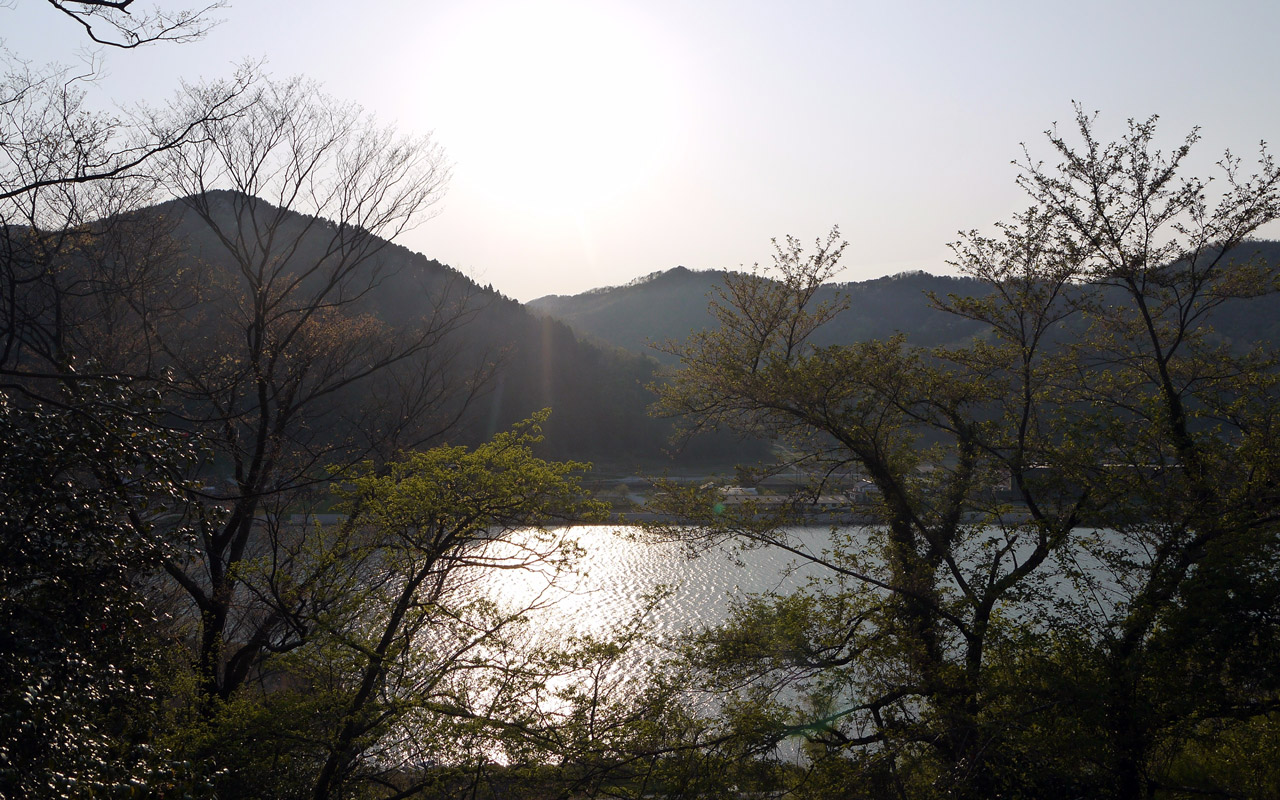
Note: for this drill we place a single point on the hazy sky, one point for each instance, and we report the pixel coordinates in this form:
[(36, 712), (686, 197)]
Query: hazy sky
[(594, 142)]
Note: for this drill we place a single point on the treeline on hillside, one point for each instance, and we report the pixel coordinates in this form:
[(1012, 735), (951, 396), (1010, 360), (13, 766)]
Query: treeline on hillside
[(492, 363), (669, 306), (504, 363)]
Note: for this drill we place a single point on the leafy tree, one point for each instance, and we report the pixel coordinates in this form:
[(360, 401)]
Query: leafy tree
[(892, 652), (424, 649), (417, 681), (281, 367), (89, 496), (412, 677), (88, 473), (1185, 423), (943, 637)]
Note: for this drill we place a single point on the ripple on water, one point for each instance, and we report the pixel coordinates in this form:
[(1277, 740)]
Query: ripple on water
[(619, 571)]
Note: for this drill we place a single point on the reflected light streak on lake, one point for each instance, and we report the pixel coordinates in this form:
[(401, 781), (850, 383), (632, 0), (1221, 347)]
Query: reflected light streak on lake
[(620, 568)]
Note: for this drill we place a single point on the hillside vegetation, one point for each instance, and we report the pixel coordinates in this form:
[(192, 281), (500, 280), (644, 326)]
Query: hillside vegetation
[(670, 305), (514, 362)]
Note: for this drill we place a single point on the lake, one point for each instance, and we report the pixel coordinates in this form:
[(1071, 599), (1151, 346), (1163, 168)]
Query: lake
[(620, 569)]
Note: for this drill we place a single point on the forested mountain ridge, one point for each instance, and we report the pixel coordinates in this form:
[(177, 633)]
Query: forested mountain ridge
[(204, 276), (587, 357), (670, 305), (597, 393)]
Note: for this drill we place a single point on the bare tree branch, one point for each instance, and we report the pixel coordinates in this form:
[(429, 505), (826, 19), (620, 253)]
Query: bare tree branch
[(127, 30)]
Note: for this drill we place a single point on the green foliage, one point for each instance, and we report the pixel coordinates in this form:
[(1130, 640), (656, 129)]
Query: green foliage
[(87, 519), (1231, 757), (410, 675), (452, 495), (981, 641)]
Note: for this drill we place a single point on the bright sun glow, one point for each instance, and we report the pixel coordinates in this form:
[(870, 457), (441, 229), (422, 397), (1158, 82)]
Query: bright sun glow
[(561, 105)]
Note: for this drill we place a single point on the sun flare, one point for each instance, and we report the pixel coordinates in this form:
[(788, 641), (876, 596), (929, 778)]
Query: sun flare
[(561, 105)]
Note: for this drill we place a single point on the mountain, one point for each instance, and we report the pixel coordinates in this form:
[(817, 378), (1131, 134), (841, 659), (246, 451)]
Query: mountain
[(597, 393), (670, 305), (585, 357)]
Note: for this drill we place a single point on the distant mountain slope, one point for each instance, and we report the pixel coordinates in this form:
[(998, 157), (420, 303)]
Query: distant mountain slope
[(598, 393), (670, 305), (661, 306)]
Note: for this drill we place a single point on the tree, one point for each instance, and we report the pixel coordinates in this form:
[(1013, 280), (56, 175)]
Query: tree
[(1098, 394), (48, 139), (83, 650), (893, 652), (1186, 422), (426, 650), (416, 679), (89, 472), (262, 324), (250, 306)]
